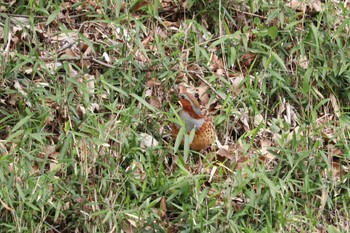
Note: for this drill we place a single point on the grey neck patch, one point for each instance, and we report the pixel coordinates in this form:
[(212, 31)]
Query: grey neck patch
[(190, 121), (197, 110)]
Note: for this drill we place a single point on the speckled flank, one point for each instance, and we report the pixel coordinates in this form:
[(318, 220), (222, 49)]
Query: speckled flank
[(204, 136)]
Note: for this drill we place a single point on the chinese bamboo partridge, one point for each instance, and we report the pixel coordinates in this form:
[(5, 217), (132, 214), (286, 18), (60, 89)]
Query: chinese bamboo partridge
[(192, 116)]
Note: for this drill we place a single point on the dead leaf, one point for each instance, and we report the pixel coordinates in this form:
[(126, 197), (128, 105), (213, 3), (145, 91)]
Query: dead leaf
[(220, 72), (141, 56), (339, 172), (73, 72), (81, 110), (153, 83), (139, 5), (328, 133), (90, 83), (129, 226), (303, 62), (297, 5), (323, 201), (171, 24), (216, 62), (224, 153), (313, 6), (247, 59), (183, 88), (236, 80), (6, 206), (94, 107), (148, 141), (234, 154), (49, 149), (212, 173), (146, 41), (316, 6), (295, 131), (335, 105), (106, 57), (155, 101), (266, 139), (13, 99), (163, 207), (203, 95), (3, 149), (244, 119), (258, 119), (137, 169), (149, 92), (19, 88)]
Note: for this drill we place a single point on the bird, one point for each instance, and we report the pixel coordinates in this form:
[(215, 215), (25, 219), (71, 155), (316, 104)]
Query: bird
[(191, 114)]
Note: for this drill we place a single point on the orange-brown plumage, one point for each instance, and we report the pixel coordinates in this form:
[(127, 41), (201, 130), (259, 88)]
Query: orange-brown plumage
[(187, 107)]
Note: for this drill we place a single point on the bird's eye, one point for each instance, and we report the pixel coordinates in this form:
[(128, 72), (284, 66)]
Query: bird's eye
[(197, 97)]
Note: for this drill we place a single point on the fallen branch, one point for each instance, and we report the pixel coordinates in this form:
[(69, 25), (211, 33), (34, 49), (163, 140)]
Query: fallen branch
[(208, 84), (90, 58)]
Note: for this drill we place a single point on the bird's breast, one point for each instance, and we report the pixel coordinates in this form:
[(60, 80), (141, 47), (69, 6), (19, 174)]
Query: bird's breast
[(191, 122)]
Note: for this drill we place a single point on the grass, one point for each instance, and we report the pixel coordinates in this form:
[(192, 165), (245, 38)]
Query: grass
[(71, 117)]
